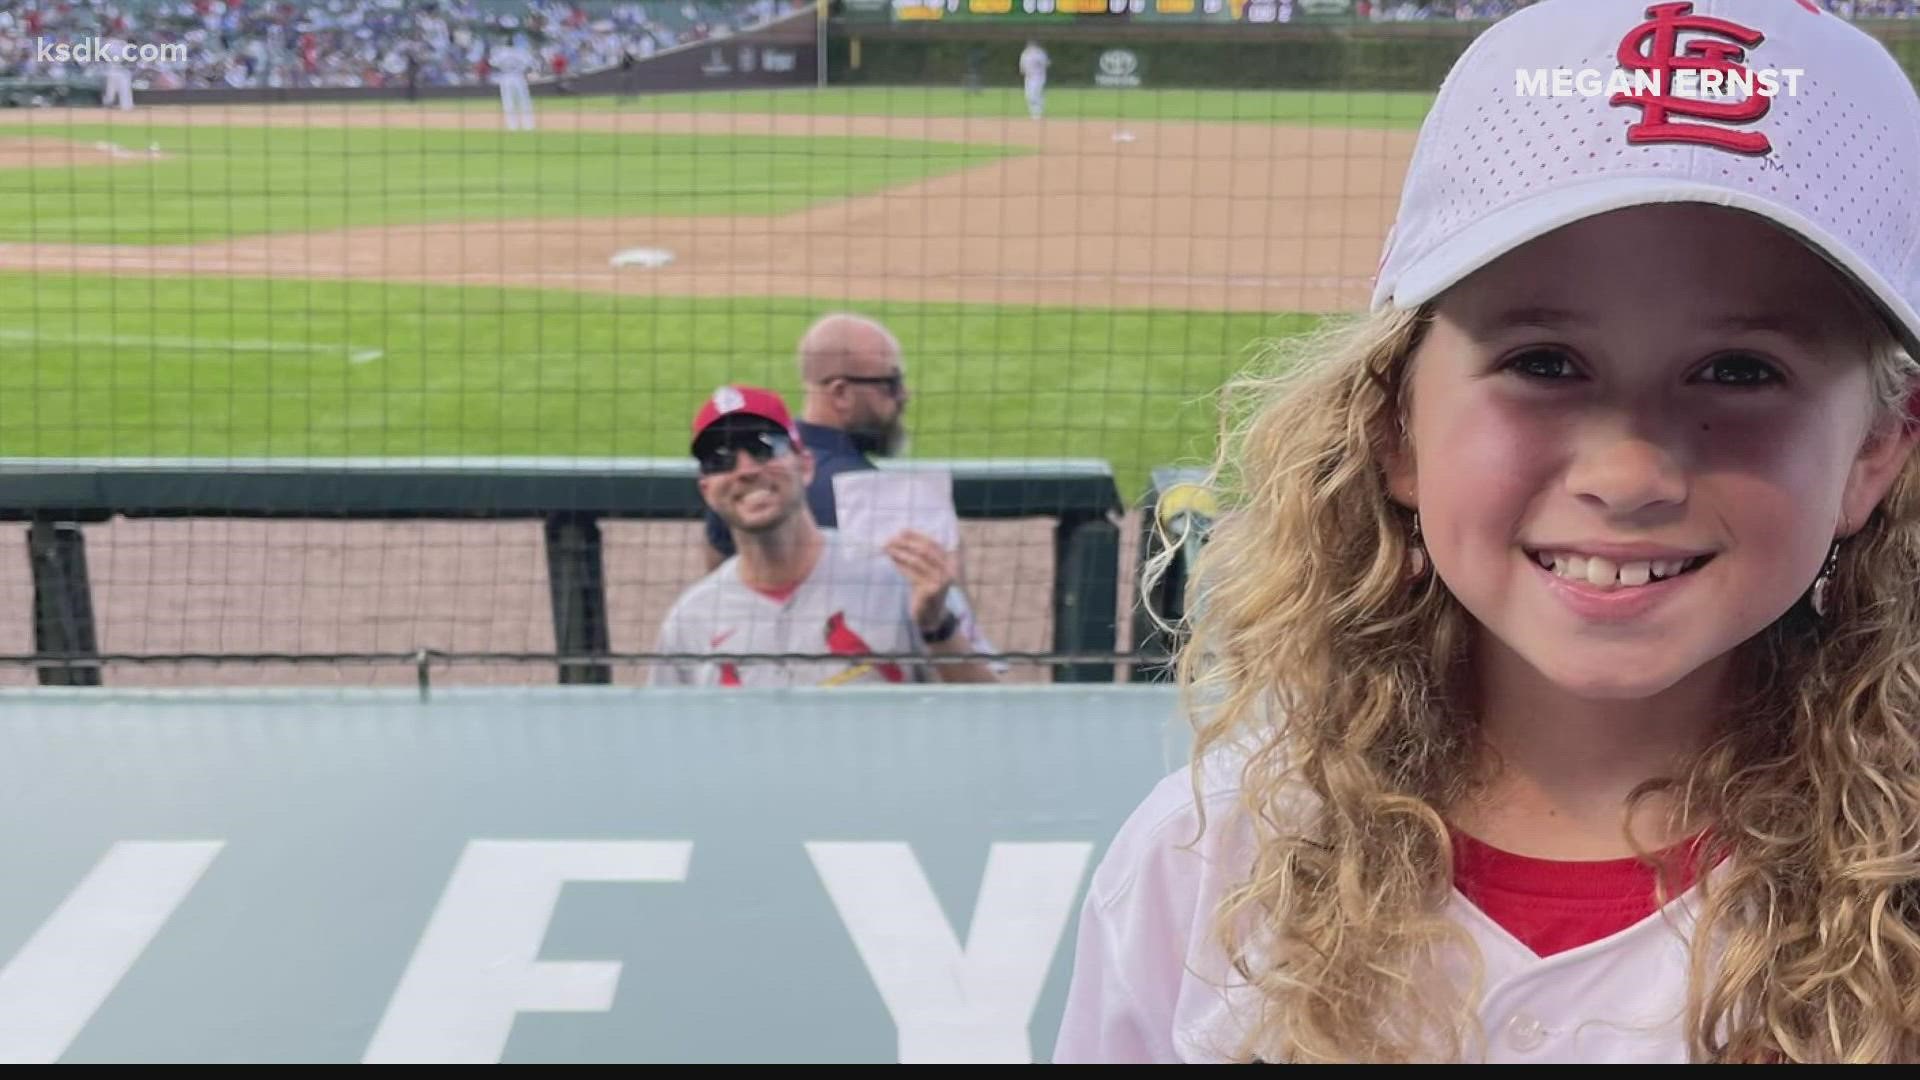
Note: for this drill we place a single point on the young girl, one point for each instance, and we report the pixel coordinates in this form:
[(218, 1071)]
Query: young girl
[(1557, 665)]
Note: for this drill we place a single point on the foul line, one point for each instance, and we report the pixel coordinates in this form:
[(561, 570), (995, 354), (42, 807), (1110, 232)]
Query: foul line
[(352, 355)]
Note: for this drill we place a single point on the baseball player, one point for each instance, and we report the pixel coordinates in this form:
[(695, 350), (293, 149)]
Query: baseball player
[(1033, 72), (1557, 697), (796, 589), (854, 411), (118, 76), (510, 63)]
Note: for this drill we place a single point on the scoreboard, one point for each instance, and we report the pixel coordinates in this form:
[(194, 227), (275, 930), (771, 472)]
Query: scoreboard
[(1063, 11)]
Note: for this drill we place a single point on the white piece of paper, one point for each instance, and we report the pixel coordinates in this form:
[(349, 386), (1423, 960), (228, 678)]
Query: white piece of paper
[(875, 505)]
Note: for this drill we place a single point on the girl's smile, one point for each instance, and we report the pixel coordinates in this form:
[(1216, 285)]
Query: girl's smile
[(1603, 590)]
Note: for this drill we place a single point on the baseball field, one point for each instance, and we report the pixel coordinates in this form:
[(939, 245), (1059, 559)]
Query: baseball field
[(396, 280)]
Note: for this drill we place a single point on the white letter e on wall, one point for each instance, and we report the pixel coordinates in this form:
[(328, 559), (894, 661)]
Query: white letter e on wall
[(475, 967)]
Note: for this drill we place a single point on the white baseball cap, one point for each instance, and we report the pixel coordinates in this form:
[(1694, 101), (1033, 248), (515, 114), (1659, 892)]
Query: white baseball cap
[(1573, 108)]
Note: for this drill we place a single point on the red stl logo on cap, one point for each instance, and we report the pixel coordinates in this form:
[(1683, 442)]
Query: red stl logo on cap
[(745, 401)]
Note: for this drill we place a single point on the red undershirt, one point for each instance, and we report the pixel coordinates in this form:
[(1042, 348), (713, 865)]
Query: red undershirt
[(1551, 906), (778, 596)]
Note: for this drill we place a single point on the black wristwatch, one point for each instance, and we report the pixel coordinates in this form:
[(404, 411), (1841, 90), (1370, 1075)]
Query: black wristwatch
[(944, 631)]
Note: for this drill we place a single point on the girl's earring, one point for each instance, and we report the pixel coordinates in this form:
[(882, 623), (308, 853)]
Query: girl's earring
[(1416, 554), (1823, 584)]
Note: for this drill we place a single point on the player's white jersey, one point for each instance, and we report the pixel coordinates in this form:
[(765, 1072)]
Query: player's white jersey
[(854, 602), (1033, 62), (511, 60)]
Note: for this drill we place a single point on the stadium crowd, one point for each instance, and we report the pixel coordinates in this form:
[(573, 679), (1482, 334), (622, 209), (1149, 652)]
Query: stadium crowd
[(347, 43)]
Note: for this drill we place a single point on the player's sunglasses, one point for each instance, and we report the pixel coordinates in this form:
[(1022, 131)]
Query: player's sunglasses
[(894, 384), (722, 454)]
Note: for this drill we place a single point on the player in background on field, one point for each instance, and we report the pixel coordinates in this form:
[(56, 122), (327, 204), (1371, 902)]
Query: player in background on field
[(510, 63), (1033, 73), (117, 75), (795, 588)]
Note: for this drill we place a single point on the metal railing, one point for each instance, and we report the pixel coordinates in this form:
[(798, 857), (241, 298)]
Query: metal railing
[(58, 498)]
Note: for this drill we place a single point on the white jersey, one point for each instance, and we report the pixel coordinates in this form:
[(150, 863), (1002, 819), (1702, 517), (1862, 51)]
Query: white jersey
[(1148, 976), (853, 602), (1033, 62), (511, 60)]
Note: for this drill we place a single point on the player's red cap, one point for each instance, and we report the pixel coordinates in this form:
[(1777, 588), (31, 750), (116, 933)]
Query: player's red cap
[(745, 401)]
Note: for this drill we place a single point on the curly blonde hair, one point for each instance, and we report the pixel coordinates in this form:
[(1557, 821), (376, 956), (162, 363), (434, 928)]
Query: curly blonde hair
[(1333, 674)]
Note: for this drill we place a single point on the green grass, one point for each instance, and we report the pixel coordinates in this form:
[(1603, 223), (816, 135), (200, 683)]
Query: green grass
[(219, 367), (1371, 109), (213, 183)]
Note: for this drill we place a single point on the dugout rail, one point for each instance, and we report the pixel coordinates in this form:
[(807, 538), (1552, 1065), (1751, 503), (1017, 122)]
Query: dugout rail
[(56, 498)]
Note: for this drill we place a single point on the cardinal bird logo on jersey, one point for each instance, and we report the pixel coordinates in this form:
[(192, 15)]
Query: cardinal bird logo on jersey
[(842, 641), (729, 674)]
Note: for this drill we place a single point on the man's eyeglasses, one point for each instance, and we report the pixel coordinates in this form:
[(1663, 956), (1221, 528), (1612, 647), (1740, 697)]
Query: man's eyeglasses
[(894, 384), (723, 455)]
